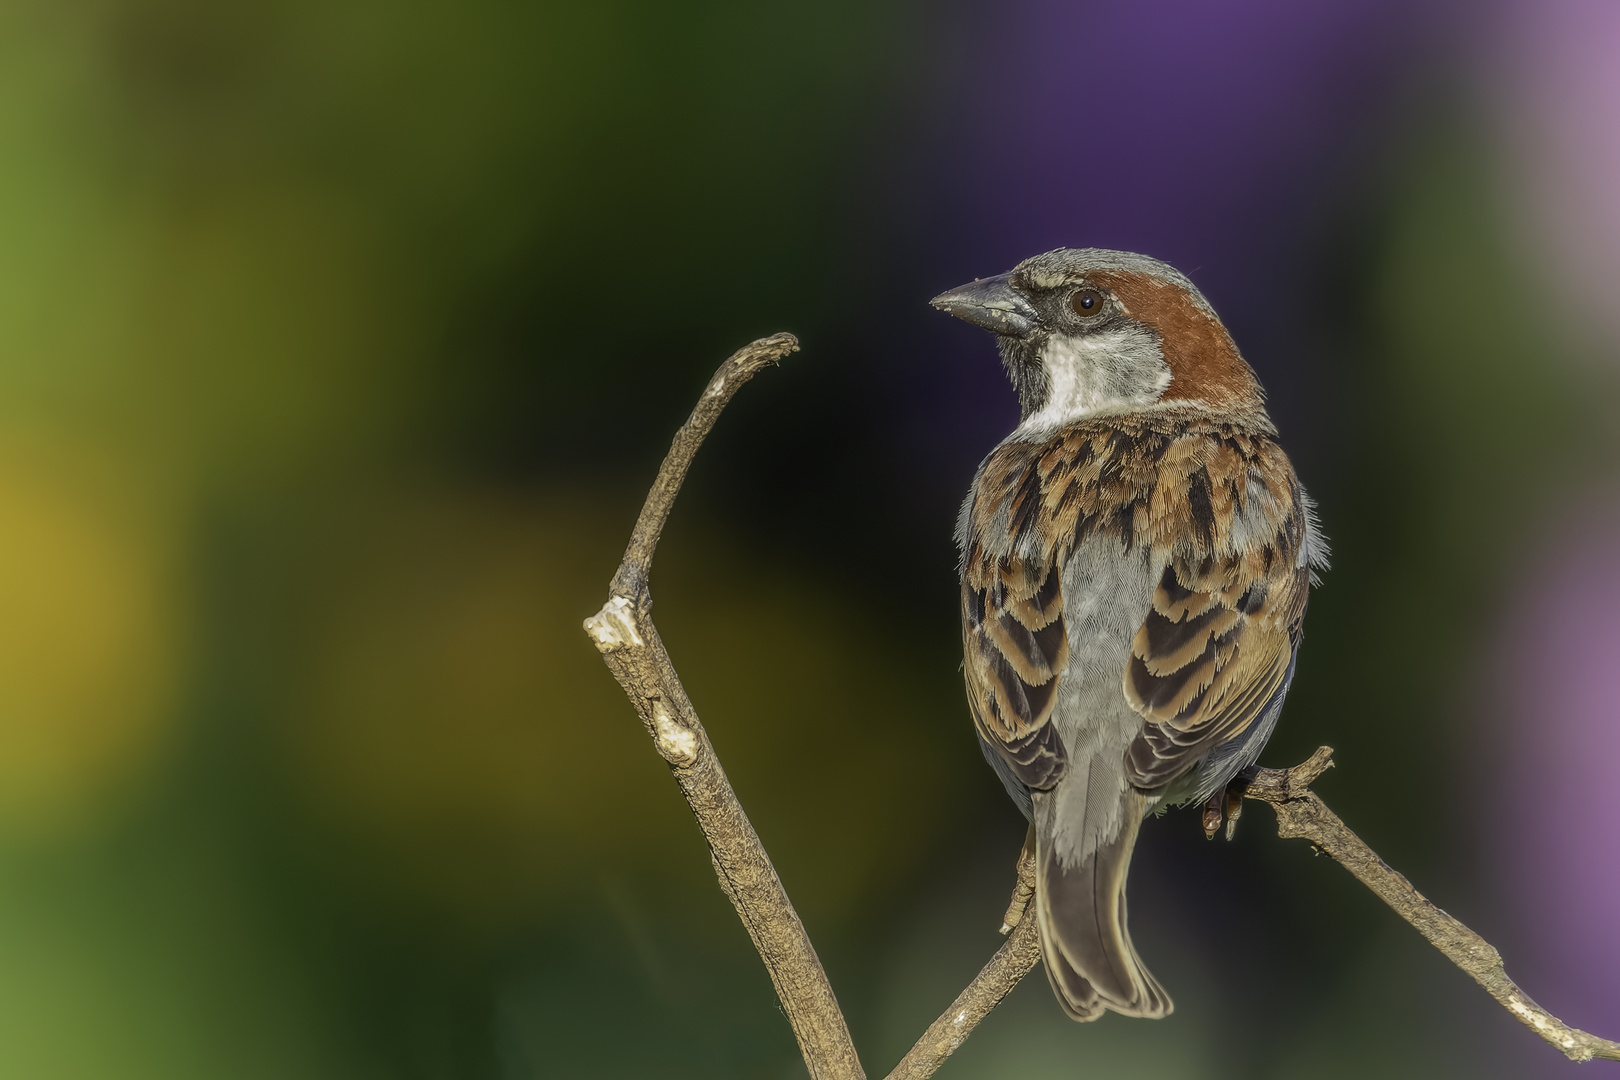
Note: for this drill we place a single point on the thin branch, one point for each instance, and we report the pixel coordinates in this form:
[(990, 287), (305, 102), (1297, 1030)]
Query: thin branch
[(624, 632), (1006, 969), (744, 364), (1300, 813)]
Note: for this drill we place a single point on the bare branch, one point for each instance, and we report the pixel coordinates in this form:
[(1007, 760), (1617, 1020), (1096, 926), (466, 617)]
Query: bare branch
[(1017, 956), (1300, 813), (624, 632), (744, 364), (1006, 969)]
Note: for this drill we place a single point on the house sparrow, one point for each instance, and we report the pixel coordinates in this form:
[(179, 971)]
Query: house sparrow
[(1135, 562)]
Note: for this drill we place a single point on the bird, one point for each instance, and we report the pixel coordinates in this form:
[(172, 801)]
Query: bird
[(1136, 557)]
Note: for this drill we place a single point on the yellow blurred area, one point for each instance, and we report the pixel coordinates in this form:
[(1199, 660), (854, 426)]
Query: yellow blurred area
[(459, 720), (261, 340), (229, 340), (173, 279), (90, 635)]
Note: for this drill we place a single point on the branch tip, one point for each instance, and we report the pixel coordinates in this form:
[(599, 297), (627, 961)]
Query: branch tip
[(742, 365)]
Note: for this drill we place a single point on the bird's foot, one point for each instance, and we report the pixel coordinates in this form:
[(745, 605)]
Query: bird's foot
[(1234, 807), (1212, 813), (1226, 803), (1024, 889)]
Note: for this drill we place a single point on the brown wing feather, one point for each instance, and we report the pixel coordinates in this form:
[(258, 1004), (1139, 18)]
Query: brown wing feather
[(1217, 498), (1214, 648), (1015, 647)]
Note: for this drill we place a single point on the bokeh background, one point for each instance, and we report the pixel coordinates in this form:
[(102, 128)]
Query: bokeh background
[(339, 340)]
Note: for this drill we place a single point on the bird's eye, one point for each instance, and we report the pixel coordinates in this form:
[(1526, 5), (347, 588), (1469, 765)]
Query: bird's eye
[(1087, 302)]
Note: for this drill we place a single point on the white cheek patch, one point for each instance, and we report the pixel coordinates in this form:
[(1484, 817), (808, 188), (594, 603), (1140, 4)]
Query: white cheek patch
[(1097, 374)]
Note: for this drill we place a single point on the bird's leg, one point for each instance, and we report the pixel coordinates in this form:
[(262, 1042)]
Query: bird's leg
[(1024, 889), (1212, 813)]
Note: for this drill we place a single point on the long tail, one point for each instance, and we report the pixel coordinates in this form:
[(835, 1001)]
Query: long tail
[(1083, 853)]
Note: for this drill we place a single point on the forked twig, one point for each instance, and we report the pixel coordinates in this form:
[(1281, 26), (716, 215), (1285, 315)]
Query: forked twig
[(629, 643)]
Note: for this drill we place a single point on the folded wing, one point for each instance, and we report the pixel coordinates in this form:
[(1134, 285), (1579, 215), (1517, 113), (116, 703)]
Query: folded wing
[(1211, 653), (1015, 646)]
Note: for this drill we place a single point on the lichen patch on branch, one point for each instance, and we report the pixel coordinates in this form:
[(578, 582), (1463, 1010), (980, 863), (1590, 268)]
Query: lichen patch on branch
[(614, 627), (675, 742)]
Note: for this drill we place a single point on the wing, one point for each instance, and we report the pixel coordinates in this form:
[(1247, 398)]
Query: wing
[(1015, 646), (1218, 502), (1214, 650)]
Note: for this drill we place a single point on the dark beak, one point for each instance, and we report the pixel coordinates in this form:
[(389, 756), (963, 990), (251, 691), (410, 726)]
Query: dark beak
[(992, 303)]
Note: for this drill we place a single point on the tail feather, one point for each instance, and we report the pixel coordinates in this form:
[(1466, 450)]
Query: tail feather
[(1085, 943)]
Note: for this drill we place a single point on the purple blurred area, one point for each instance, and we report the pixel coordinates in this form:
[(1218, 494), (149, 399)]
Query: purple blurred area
[(1229, 140), (1555, 100), (1559, 855), (1210, 136), (1548, 78)]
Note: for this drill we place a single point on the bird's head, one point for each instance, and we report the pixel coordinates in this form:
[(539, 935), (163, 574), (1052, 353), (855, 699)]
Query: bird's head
[(1087, 332)]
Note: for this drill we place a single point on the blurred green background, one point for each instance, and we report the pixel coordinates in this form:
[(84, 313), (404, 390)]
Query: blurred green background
[(339, 341)]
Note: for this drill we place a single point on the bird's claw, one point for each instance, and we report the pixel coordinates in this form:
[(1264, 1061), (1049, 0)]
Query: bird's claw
[(1226, 804), (1023, 889)]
